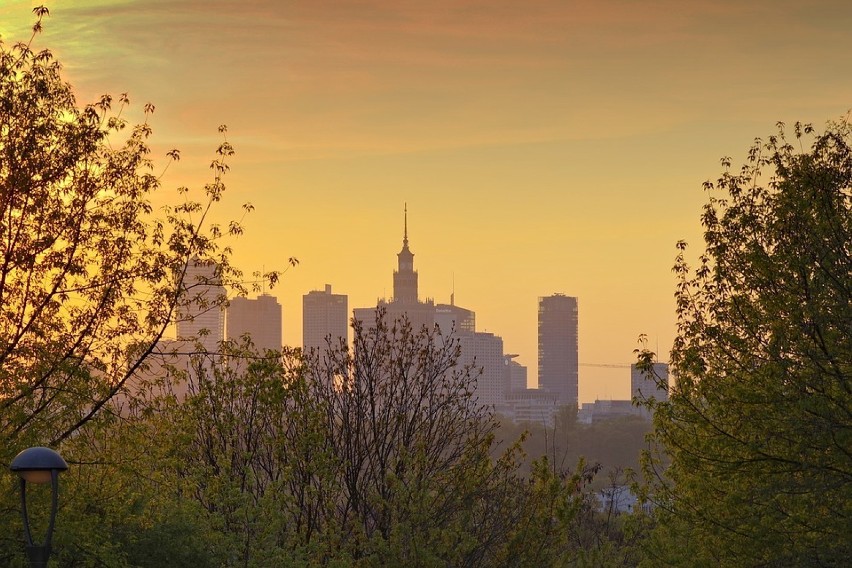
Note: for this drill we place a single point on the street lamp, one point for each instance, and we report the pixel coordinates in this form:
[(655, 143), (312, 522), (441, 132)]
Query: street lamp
[(38, 465)]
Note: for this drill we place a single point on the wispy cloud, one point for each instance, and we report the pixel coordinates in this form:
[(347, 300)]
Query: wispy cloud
[(381, 76)]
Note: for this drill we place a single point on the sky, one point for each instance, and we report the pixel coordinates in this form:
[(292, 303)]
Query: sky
[(543, 146)]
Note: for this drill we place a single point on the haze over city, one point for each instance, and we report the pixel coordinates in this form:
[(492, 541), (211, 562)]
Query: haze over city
[(541, 146)]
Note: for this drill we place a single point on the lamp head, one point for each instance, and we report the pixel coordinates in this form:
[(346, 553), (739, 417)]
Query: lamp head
[(36, 464)]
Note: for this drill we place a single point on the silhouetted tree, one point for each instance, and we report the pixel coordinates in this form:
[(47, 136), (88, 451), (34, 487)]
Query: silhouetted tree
[(87, 268), (759, 425), (90, 274), (373, 456), (411, 439)]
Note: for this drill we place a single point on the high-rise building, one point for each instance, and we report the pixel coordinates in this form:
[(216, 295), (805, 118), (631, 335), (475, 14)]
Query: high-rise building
[(259, 318), (643, 386), (558, 347), (452, 318), (405, 302), (324, 315), (483, 352), (405, 277), (201, 315), (516, 374), (167, 370)]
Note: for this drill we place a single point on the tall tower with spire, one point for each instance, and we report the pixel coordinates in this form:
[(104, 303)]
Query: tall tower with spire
[(481, 350), (405, 277)]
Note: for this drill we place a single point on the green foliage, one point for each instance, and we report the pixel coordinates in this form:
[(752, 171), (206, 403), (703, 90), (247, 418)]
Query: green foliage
[(759, 425), (371, 457), (120, 504), (614, 444), (88, 269), (90, 277)]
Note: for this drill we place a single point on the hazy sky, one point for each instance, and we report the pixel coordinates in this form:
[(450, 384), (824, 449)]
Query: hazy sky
[(542, 146)]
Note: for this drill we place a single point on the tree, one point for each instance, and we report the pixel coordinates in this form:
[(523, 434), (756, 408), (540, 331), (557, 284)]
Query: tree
[(402, 417), (88, 267), (121, 502), (367, 454), (759, 425), (237, 437), (372, 456), (417, 481), (91, 275)]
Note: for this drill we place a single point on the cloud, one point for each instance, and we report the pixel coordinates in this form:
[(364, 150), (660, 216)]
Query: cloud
[(316, 78)]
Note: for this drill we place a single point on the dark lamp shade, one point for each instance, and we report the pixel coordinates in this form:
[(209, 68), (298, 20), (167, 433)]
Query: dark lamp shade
[(35, 464)]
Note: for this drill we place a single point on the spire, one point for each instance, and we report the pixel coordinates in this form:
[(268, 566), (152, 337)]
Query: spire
[(405, 234), (405, 278)]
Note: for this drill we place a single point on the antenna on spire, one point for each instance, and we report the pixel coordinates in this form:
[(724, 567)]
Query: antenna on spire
[(405, 234), (453, 293)]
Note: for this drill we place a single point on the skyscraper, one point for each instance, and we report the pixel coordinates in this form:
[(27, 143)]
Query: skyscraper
[(451, 318), (405, 302), (516, 374), (558, 347), (201, 316), (324, 314), (483, 352), (260, 318), (405, 277), (643, 386)]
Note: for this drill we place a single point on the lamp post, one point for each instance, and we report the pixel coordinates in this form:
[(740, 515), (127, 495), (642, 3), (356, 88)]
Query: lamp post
[(38, 465)]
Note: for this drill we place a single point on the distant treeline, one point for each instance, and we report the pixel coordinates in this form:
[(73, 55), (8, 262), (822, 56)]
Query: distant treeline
[(613, 444)]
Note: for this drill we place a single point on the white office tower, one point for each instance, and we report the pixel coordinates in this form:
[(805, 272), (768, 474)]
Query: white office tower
[(644, 386), (484, 352), (201, 314)]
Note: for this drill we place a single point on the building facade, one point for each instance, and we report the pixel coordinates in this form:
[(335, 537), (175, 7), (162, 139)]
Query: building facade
[(450, 318), (405, 302), (201, 313), (259, 318), (644, 386), (516, 374), (483, 353), (558, 347), (536, 406), (325, 317)]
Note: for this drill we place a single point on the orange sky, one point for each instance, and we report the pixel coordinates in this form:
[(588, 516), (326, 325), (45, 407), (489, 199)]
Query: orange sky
[(542, 146)]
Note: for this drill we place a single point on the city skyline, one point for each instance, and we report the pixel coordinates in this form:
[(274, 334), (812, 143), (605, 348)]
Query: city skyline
[(324, 314), (542, 147)]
